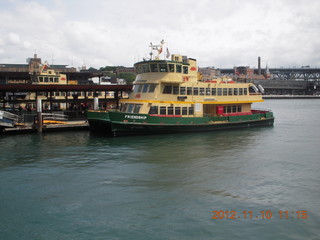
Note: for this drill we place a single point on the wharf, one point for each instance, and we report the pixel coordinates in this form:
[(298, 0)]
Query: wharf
[(291, 96), (67, 126)]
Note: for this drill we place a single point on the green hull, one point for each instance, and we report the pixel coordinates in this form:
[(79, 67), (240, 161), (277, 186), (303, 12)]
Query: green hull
[(118, 123)]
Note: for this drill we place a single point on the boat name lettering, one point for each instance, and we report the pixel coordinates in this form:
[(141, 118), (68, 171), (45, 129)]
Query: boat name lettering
[(135, 117)]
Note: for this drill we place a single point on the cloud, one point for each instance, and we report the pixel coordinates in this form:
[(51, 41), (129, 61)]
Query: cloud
[(219, 33)]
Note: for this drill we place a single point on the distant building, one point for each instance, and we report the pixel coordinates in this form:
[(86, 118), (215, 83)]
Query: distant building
[(209, 73)]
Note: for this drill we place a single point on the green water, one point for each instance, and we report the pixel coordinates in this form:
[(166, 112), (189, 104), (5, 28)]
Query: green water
[(76, 185)]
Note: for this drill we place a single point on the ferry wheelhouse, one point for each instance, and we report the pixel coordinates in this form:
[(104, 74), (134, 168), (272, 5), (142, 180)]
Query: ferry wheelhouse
[(170, 96)]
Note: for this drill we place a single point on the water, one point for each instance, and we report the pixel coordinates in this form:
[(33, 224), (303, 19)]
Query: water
[(75, 185)]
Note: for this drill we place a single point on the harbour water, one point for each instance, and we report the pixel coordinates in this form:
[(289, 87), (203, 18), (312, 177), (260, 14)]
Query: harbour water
[(76, 185)]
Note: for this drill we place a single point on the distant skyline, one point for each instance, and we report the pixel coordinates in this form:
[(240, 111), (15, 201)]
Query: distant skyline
[(96, 33)]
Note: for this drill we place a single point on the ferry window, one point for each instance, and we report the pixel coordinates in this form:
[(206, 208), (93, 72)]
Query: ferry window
[(51, 79), (184, 111), (201, 91), (214, 91), (182, 90), (167, 89), (170, 110), (177, 110), (219, 91), (208, 91), (152, 87), (178, 68), (195, 91), (230, 91), (189, 90), (163, 110), (154, 67), (50, 72), (137, 108), (153, 110), (139, 69), (41, 79), (145, 88), (228, 109), (240, 91), (56, 80), (175, 89), (234, 109), (163, 67), (46, 79), (171, 67), (130, 108), (235, 92), (191, 110), (185, 70), (245, 91), (146, 68), (239, 108), (225, 91)]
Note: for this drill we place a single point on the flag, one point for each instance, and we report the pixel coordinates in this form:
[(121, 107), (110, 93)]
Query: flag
[(160, 50), (168, 53)]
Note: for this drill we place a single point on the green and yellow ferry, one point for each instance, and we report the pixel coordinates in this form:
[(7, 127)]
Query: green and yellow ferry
[(170, 96)]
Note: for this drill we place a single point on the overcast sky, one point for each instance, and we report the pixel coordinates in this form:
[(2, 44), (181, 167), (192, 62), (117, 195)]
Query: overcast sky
[(219, 33)]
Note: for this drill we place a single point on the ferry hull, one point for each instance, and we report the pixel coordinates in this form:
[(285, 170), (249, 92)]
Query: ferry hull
[(118, 124)]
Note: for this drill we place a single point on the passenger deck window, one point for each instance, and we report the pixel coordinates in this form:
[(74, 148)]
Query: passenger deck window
[(137, 108), (201, 91), (230, 91), (177, 110), (153, 110), (178, 68), (189, 90), (219, 91), (184, 111), (146, 68), (145, 88), (163, 67), (185, 70), (182, 90), (154, 67), (195, 91), (208, 91), (175, 89), (171, 67), (225, 91), (170, 110), (152, 87), (167, 89), (214, 91), (163, 110), (191, 110)]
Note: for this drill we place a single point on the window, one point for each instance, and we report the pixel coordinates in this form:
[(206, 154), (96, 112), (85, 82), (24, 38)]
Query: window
[(185, 70), (225, 91), (130, 108), (214, 91), (146, 68), (229, 109), (234, 108), (239, 108), (175, 89), (153, 110), (201, 91), (152, 87), (177, 110), (189, 90), (137, 108), (163, 67), (230, 91), (41, 79), (51, 79), (170, 110), (208, 91), (46, 79), (56, 79), (235, 91), (240, 91), (182, 90), (154, 67), (245, 91), (145, 88), (195, 91), (139, 69), (167, 89), (171, 67), (163, 110), (184, 111), (219, 91), (178, 68), (191, 110)]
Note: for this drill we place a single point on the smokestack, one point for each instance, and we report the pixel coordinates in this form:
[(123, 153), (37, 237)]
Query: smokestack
[(259, 66)]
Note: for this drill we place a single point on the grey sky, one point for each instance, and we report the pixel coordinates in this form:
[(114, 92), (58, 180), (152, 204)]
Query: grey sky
[(118, 32)]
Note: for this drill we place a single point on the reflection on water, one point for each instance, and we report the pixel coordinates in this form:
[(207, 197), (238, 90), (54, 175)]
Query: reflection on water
[(78, 185)]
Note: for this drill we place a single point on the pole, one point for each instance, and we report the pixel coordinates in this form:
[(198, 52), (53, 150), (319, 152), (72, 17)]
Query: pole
[(39, 111)]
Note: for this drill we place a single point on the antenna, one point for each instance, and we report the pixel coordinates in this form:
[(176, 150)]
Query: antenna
[(52, 59)]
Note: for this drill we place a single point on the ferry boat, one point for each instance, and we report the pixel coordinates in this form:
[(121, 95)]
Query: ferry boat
[(170, 96)]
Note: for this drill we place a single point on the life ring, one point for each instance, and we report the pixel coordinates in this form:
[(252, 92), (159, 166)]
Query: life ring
[(185, 79)]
